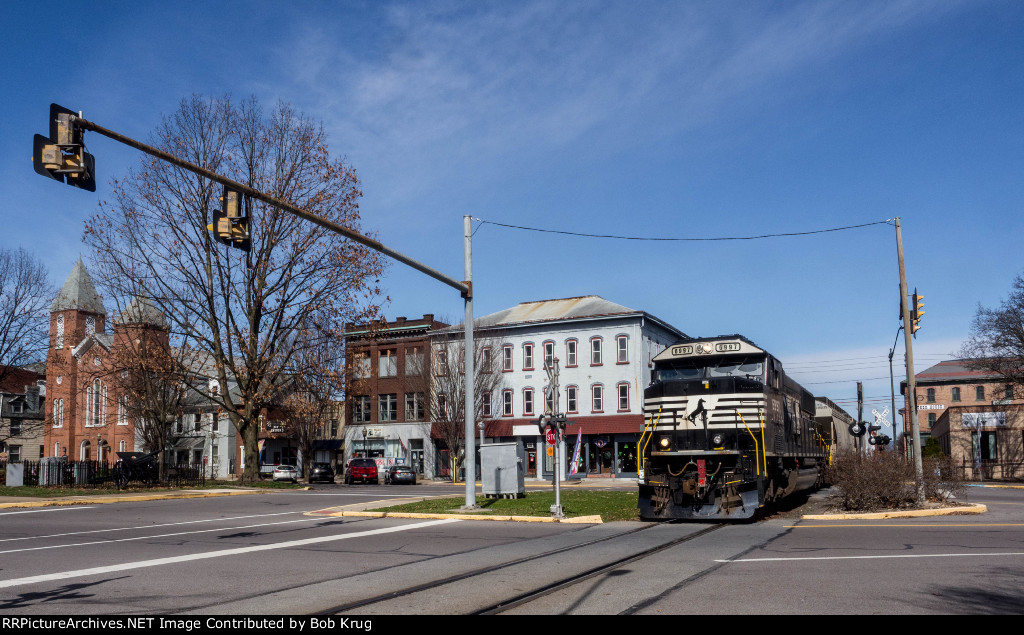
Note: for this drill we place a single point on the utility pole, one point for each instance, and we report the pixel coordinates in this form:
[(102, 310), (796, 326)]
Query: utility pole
[(911, 384), (470, 405), (558, 421), (860, 417)]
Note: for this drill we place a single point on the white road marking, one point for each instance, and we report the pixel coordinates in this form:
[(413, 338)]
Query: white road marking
[(920, 555), (127, 566), (67, 508), (150, 537), (184, 522)]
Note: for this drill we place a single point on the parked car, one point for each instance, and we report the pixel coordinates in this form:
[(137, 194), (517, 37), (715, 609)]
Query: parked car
[(321, 472), (400, 474), (364, 470), (286, 473)]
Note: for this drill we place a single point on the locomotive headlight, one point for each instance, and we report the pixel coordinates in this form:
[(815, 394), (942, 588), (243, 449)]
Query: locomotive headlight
[(717, 440), (706, 347), (663, 442)]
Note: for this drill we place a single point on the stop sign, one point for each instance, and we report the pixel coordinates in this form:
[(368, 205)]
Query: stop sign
[(551, 437)]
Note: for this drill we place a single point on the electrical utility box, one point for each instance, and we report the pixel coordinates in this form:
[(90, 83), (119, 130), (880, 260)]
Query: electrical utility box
[(501, 471)]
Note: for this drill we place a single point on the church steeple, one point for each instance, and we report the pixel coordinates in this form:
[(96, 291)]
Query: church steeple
[(78, 293)]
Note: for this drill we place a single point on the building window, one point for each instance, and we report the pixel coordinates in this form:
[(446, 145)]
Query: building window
[(506, 358), (549, 400), (570, 353), (597, 398), (361, 409), (527, 401), (528, 356), (58, 340), (14, 454), (414, 360), (442, 363), (415, 409), (571, 399), (122, 410), (623, 390), (549, 354), (956, 393), (361, 367), (334, 428), (90, 325), (979, 393), (506, 403), (121, 446), (931, 420), (486, 363), (595, 351), (931, 395), (387, 407), (16, 428), (442, 406), (388, 363), (485, 401), (1008, 392), (95, 413), (622, 349)]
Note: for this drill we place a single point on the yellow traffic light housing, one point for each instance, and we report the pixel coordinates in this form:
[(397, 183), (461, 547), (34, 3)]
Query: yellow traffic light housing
[(916, 311), (62, 155), (231, 223)]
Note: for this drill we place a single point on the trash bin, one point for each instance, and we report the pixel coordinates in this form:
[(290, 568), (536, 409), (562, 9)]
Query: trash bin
[(501, 471)]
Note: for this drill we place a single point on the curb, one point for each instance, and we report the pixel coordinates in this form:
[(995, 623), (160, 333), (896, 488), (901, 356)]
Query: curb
[(975, 508)]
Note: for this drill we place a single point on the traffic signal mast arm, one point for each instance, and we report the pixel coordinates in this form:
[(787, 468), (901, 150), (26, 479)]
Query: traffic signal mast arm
[(463, 287)]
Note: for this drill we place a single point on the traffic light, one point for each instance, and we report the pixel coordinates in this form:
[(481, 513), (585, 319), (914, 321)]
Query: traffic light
[(916, 311), (231, 222), (62, 155)]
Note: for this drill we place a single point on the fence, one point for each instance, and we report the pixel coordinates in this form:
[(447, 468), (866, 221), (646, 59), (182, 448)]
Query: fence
[(993, 470), (97, 474)]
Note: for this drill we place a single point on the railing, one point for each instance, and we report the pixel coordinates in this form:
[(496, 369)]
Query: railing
[(101, 474), (993, 470)]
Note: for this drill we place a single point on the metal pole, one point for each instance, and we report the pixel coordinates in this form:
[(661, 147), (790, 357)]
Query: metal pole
[(911, 383), (269, 200), (860, 417), (470, 460), (892, 393), (552, 370)]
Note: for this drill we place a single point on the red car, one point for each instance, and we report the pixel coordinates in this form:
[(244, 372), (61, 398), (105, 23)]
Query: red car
[(364, 470)]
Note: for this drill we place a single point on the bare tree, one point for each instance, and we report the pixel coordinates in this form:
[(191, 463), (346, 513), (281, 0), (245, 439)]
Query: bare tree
[(239, 309), (25, 296), (316, 383), (447, 391), (996, 342)]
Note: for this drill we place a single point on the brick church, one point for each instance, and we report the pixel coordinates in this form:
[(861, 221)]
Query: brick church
[(86, 417)]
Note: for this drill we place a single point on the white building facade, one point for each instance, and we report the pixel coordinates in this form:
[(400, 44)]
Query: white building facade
[(603, 351)]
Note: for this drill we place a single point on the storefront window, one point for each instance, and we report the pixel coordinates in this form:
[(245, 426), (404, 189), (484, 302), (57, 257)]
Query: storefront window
[(626, 458)]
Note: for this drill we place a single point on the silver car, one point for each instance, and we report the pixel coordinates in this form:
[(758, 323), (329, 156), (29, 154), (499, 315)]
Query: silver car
[(286, 473), (399, 474)]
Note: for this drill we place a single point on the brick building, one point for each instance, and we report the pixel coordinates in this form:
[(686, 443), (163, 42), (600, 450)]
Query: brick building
[(386, 413), (974, 416)]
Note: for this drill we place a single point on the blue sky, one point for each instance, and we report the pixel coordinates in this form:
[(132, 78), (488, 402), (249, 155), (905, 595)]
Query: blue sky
[(652, 119)]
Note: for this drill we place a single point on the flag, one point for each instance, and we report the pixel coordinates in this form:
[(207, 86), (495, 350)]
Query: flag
[(574, 466), (402, 445)]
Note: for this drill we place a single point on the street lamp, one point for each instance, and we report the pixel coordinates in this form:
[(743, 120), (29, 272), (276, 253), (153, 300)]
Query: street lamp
[(365, 453)]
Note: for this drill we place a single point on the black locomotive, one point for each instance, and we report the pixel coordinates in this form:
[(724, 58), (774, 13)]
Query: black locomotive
[(726, 432)]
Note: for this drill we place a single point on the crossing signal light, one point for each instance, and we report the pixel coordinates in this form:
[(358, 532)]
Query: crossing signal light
[(62, 156), (231, 222), (916, 311)]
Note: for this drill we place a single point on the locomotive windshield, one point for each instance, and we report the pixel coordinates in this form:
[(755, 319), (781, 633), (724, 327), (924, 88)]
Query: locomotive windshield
[(703, 367)]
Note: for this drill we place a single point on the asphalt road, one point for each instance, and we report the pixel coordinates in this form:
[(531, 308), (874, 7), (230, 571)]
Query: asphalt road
[(265, 555)]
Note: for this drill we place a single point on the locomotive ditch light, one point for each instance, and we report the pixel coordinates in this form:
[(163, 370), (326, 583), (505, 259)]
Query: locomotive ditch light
[(663, 442), (718, 440)]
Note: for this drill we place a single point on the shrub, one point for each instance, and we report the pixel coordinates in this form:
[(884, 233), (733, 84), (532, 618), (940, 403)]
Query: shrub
[(885, 480), (881, 480)]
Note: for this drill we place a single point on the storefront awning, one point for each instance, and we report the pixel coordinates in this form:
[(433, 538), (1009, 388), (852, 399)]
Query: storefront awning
[(186, 443), (328, 444)]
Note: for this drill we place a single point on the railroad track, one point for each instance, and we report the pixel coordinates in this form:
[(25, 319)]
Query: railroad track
[(525, 597)]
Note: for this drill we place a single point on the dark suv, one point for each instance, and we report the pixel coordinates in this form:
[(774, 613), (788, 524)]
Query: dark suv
[(364, 470), (321, 472)]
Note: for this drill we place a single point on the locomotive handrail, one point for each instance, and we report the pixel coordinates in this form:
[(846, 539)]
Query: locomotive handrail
[(757, 457), (641, 461), (764, 452)]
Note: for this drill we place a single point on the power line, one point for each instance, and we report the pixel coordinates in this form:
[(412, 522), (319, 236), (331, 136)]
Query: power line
[(568, 233)]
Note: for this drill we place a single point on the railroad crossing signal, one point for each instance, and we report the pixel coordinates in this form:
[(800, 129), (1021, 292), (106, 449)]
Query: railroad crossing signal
[(916, 311), (231, 222), (62, 155)]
